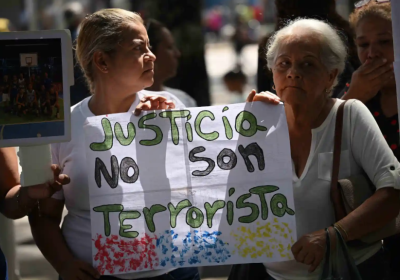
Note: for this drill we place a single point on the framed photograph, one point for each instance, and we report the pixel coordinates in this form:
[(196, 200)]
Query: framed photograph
[(36, 73)]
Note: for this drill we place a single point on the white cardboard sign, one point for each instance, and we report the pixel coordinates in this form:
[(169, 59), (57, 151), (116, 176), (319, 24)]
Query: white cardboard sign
[(191, 187)]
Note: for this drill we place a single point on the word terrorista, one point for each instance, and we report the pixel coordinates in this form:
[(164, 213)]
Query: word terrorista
[(195, 217)]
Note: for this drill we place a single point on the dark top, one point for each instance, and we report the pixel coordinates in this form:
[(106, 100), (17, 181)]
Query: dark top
[(388, 125), (3, 267), (53, 98), (47, 83)]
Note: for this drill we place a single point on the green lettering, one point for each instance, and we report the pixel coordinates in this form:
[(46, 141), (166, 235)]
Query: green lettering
[(255, 212), (174, 211), (229, 213), (280, 211), (122, 228), (228, 128), (211, 210), (159, 136), (108, 138), (172, 115), (106, 209), (149, 214), (119, 134), (206, 136), (261, 191), (251, 119), (194, 222), (189, 132)]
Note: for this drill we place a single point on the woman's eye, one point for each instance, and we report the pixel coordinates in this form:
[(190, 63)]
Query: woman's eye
[(363, 45), (384, 42)]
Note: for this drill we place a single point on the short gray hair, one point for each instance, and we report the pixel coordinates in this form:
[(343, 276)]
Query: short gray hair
[(334, 51)]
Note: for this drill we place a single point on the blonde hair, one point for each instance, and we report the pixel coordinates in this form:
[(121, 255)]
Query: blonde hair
[(372, 9), (101, 31)]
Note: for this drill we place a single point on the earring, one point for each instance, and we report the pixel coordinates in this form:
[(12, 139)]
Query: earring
[(105, 68), (273, 87), (327, 90)]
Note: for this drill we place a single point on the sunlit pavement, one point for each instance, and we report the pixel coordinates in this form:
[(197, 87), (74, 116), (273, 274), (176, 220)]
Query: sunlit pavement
[(220, 58)]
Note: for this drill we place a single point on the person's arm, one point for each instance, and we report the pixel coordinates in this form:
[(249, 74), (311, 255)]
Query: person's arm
[(46, 231), (372, 152), (17, 201), (10, 205), (45, 227)]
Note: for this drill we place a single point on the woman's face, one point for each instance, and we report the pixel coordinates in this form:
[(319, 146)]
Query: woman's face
[(131, 65), (167, 56), (299, 75), (374, 39)]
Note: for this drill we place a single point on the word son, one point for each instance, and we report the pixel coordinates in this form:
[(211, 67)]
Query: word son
[(242, 118), (194, 216)]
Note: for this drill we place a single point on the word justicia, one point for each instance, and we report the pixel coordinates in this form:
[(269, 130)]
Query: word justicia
[(226, 159), (195, 217)]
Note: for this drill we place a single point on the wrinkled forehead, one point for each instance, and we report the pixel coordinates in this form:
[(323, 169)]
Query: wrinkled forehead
[(300, 44)]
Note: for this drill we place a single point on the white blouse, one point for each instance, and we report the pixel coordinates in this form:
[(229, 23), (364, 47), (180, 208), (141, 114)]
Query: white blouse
[(364, 149)]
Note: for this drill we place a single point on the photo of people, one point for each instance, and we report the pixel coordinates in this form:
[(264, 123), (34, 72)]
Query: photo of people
[(31, 83)]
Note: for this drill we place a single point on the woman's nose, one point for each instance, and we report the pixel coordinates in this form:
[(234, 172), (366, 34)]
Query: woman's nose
[(293, 73)]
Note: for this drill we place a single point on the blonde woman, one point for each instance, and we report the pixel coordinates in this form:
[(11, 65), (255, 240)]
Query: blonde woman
[(113, 51)]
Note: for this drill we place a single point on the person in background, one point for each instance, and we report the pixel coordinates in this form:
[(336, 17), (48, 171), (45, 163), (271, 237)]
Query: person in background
[(235, 81), (321, 10), (44, 102), (114, 52), (306, 57), (21, 81), (73, 15), (15, 201), (165, 67), (21, 102), (374, 84), (5, 90), (47, 81), (31, 100), (33, 80), (14, 92), (53, 101)]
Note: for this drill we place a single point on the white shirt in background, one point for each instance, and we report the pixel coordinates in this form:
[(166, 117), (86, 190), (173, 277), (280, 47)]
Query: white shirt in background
[(71, 158), (186, 99)]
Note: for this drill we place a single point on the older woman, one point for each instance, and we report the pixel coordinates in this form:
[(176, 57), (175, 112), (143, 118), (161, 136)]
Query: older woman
[(306, 58), (113, 51)]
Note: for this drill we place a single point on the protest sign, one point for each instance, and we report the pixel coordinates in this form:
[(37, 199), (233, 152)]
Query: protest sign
[(191, 187)]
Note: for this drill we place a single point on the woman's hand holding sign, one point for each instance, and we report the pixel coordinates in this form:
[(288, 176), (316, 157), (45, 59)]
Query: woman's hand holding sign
[(153, 102), (264, 96)]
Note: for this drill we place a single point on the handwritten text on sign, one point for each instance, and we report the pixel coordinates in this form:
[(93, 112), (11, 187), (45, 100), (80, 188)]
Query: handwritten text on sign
[(192, 187)]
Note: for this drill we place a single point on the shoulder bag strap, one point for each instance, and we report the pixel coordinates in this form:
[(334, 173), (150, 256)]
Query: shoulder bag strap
[(336, 196)]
